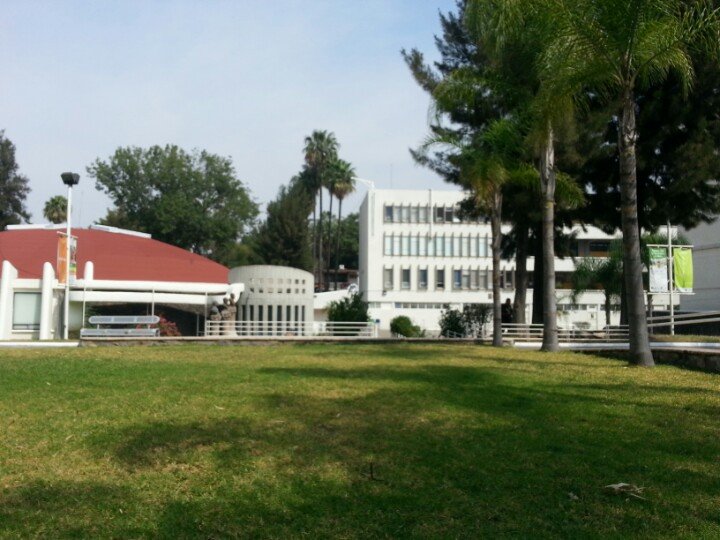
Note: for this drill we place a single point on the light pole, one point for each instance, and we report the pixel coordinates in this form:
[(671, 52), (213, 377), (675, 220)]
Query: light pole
[(70, 180)]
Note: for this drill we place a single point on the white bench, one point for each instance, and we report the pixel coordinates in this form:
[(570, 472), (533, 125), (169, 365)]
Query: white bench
[(121, 320)]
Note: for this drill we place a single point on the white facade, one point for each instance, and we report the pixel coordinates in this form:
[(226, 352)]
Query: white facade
[(417, 258)]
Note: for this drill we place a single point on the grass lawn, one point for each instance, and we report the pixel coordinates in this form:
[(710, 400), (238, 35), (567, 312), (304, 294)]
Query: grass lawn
[(349, 441)]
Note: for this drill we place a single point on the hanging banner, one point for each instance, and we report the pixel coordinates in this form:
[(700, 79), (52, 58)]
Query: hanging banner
[(683, 269), (61, 261), (658, 271)]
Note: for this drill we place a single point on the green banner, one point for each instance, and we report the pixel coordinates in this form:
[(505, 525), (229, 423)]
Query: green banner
[(683, 269)]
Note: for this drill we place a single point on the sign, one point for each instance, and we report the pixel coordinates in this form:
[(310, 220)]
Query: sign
[(61, 261), (658, 271), (683, 269)]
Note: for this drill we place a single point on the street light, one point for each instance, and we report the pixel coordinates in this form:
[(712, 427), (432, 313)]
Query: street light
[(70, 180)]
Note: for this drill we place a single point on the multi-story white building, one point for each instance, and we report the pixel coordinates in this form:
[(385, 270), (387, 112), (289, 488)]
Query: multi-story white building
[(417, 257)]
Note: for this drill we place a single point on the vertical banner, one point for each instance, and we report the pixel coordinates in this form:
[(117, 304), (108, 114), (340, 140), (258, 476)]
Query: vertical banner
[(658, 271), (62, 262), (683, 269)]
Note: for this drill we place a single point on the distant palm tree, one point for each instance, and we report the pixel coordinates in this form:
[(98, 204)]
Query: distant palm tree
[(342, 186), (55, 209), (320, 152)]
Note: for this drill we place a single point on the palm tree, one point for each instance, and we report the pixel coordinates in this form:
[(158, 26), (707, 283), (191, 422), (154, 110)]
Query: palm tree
[(320, 152), (600, 273), (515, 34), (613, 48), (55, 209), (343, 185)]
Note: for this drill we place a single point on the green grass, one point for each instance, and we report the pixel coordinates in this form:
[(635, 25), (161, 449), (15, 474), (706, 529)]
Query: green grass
[(279, 441), (685, 337)]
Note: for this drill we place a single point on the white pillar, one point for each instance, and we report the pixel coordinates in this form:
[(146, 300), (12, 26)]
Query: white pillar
[(46, 302), (9, 275)]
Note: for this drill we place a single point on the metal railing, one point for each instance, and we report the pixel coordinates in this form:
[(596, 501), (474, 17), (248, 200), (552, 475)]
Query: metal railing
[(534, 332), (290, 329)]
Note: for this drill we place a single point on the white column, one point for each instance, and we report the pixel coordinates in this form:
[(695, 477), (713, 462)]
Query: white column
[(46, 302), (9, 275)]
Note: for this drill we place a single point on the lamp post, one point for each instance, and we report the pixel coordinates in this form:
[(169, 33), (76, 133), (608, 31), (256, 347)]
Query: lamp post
[(70, 180)]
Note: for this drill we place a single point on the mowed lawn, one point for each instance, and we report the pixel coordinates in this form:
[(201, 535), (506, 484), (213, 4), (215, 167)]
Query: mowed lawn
[(346, 441)]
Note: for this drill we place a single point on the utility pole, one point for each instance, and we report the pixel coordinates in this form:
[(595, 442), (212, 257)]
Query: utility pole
[(70, 180)]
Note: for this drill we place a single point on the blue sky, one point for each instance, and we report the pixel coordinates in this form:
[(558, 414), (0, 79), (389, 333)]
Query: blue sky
[(238, 78)]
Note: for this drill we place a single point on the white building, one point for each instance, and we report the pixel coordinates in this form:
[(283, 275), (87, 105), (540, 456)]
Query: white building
[(706, 260), (417, 258)]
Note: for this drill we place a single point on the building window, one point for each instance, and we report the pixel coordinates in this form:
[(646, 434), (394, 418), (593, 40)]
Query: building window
[(406, 245), (473, 247), (26, 311), (405, 214), (422, 246), (439, 243), (388, 214), (405, 282), (388, 279), (430, 246), (423, 214), (422, 278), (439, 214), (396, 245), (456, 246), (414, 246), (466, 246), (414, 214), (482, 246), (457, 279), (474, 279), (449, 246), (483, 280), (466, 279), (440, 279), (449, 214), (388, 244)]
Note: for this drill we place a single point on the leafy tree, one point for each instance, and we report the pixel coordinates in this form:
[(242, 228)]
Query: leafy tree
[(347, 231), (192, 200), (320, 153), (14, 187), (617, 47), (352, 308), (466, 323), (451, 323), (403, 326), (55, 209), (284, 238)]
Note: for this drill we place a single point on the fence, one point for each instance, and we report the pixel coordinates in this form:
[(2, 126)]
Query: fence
[(289, 329), (534, 332)]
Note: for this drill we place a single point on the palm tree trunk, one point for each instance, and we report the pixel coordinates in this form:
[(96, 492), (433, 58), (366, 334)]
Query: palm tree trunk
[(329, 242), (607, 309), (495, 224), (321, 281), (538, 281), (337, 242), (640, 352), (521, 273), (547, 178)]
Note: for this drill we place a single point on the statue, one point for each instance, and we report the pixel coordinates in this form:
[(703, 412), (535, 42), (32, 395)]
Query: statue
[(215, 318)]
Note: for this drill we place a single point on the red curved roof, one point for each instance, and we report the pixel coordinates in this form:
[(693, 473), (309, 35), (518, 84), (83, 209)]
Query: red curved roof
[(115, 256)]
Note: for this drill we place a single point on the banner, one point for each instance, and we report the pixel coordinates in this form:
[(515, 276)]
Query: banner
[(683, 269), (658, 271), (62, 263)]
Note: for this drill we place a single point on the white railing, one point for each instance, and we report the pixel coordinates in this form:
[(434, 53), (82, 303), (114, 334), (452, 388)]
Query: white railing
[(290, 329), (532, 332), (684, 319)]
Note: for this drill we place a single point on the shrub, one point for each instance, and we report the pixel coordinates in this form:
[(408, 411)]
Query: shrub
[(451, 323), (403, 326), (467, 323), (350, 309)]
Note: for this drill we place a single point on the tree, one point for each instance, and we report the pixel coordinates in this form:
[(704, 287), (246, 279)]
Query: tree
[(603, 273), (616, 47), (349, 242), (320, 152), (343, 185), (284, 237), (192, 200), (403, 326), (14, 187), (55, 209), (352, 308)]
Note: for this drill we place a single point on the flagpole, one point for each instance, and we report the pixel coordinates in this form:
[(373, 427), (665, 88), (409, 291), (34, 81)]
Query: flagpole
[(672, 280)]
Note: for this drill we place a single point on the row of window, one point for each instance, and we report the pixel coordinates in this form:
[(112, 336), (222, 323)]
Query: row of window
[(423, 214), (411, 305), (440, 245), (463, 279), (265, 313)]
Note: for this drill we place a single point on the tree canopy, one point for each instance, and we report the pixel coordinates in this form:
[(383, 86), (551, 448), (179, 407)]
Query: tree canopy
[(55, 209), (193, 200), (14, 186)]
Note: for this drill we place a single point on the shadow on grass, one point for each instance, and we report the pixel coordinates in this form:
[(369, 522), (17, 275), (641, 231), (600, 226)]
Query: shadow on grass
[(454, 450)]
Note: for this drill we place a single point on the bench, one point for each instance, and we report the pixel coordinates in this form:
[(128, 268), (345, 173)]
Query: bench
[(121, 320)]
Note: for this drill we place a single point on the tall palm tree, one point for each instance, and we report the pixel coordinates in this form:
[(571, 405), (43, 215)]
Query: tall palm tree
[(55, 209), (612, 48), (343, 185), (515, 32), (320, 152), (600, 273)]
